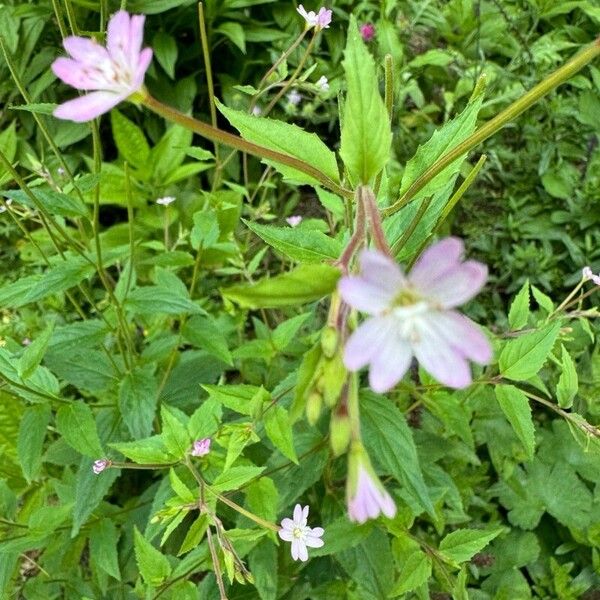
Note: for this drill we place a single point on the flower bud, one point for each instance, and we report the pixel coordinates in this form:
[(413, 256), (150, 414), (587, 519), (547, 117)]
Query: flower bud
[(314, 403), (329, 341), (340, 430)]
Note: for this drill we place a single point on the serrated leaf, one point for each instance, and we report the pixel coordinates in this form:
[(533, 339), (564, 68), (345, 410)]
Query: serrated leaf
[(463, 544), (104, 537), (235, 477), (147, 451), (153, 566), (203, 332), (287, 139), (130, 140), (524, 356), (389, 441), (366, 134), (206, 419), (138, 396), (306, 283), (180, 488), (519, 308), (152, 299), (568, 382), (515, 405), (195, 534), (174, 433), (32, 432), (54, 202), (308, 246), (76, 423), (415, 571), (279, 430)]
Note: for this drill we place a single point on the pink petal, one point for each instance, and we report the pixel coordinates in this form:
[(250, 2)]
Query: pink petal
[(144, 61), (364, 296), (75, 74), (463, 335), (136, 37), (439, 358), (118, 40), (388, 506), (390, 362), (459, 284), (286, 535), (381, 271), (86, 50), (437, 259), (87, 107), (365, 342)]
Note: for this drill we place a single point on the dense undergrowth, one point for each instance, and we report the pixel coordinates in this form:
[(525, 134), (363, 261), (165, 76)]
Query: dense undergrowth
[(131, 329)]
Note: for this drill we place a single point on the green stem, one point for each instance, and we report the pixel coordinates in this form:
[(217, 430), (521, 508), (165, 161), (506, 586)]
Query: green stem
[(234, 141), (518, 107), (389, 105)]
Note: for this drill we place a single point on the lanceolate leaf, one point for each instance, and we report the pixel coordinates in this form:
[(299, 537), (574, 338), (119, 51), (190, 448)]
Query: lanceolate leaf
[(366, 134), (515, 405)]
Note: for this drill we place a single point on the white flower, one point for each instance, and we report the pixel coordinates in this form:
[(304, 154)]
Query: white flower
[(587, 273), (300, 534), (294, 97), (294, 220), (4, 207), (257, 111), (100, 465), (323, 84), (320, 20), (166, 200)]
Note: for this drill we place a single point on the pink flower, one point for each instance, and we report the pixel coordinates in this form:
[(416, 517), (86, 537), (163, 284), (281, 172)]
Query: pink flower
[(294, 220), (366, 496), (367, 31), (201, 447), (300, 534), (413, 315), (100, 465), (320, 20), (588, 275), (113, 73)]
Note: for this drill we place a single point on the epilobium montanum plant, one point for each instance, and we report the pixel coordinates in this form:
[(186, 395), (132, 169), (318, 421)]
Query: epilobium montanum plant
[(199, 270)]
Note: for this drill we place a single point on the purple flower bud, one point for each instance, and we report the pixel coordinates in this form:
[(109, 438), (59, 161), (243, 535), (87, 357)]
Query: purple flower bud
[(201, 447), (367, 31), (100, 465)]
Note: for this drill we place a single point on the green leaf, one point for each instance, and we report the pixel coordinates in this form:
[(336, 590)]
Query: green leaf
[(415, 571), (170, 152), (138, 395), (304, 284), (195, 534), (235, 478), (287, 331), (342, 534), (261, 560), (54, 202), (524, 356), (443, 140), (147, 451), (519, 309), (174, 433), (515, 405), (240, 398), (206, 419), (8, 146), (165, 51), (306, 245), (152, 299), (33, 354), (542, 299), (153, 566), (279, 430), (32, 432), (130, 140), (287, 139), (461, 545), (235, 32), (75, 422), (180, 488), (366, 134), (104, 537), (204, 332), (206, 230), (389, 441), (568, 382)]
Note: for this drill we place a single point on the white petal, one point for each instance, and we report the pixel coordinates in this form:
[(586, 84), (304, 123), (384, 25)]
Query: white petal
[(296, 543), (317, 531), (365, 296), (380, 270), (390, 363), (297, 514), (365, 342), (435, 261), (313, 542), (288, 524), (302, 551), (459, 284), (286, 535)]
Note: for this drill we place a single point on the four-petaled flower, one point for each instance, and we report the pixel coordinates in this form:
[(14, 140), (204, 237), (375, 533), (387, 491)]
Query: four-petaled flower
[(365, 494), (320, 20), (367, 31), (588, 275), (166, 200), (413, 315), (294, 220), (201, 447), (301, 536), (100, 465), (113, 73)]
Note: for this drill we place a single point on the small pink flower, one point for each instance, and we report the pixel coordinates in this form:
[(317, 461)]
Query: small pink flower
[(201, 447), (366, 496), (300, 534), (320, 20), (166, 200), (112, 73), (294, 220), (587, 273), (413, 316), (367, 31), (100, 465)]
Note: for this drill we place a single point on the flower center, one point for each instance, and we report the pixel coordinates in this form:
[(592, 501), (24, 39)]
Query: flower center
[(298, 533), (406, 297)]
